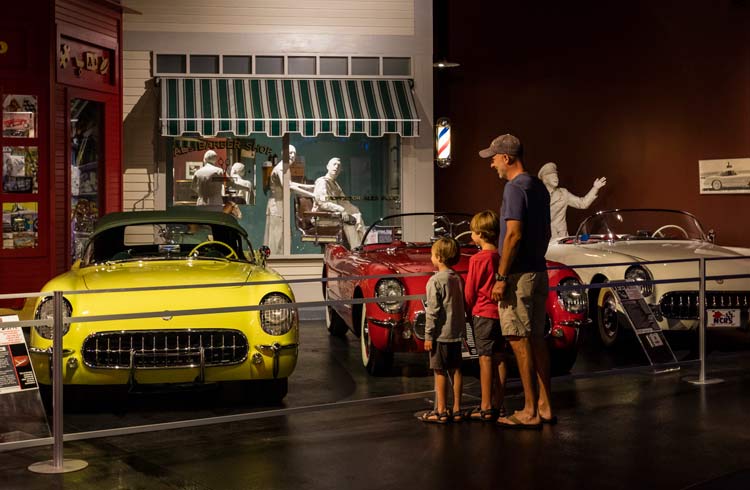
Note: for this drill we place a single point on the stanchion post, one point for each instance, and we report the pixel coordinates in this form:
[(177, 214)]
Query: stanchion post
[(58, 463), (701, 380)]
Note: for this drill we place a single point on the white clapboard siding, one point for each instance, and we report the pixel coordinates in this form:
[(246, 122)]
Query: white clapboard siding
[(357, 17), (301, 269), (136, 68), (138, 189), (140, 235), (139, 177)]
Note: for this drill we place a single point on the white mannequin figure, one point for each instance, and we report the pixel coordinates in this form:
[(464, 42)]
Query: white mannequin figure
[(274, 233), (329, 196), (207, 181), (243, 187), (560, 198)]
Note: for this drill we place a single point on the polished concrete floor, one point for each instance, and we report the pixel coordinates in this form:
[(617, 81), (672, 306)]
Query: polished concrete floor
[(619, 427)]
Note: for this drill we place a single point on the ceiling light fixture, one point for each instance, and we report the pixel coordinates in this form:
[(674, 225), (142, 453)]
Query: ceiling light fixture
[(443, 63)]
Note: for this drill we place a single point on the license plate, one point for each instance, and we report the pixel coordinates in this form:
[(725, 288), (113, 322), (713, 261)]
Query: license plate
[(723, 317)]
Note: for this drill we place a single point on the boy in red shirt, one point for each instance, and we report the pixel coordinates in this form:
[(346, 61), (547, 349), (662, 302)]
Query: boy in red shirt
[(485, 228)]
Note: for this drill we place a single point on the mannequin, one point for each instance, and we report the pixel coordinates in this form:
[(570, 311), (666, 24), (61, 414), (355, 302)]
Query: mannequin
[(560, 198), (243, 189), (274, 233), (329, 196), (207, 181)]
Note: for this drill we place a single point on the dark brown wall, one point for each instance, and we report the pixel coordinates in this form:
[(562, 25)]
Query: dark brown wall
[(637, 91)]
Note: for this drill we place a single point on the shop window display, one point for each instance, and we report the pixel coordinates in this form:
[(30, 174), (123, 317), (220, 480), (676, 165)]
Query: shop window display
[(19, 116), (85, 170), (20, 169), (20, 225), (254, 175), (19, 172)]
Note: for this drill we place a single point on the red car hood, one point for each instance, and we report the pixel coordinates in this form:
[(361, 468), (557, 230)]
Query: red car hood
[(415, 260)]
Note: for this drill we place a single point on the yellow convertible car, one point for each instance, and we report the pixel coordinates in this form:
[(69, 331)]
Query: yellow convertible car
[(184, 251)]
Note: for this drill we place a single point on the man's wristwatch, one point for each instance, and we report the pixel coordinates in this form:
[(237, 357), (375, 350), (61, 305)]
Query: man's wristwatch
[(500, 277)]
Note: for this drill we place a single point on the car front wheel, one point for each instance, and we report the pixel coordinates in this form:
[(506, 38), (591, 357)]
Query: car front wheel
[(607, 322), (375, 361), (716, 185)]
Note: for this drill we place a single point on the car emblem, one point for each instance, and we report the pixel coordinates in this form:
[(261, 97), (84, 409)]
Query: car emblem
[(166, 318)]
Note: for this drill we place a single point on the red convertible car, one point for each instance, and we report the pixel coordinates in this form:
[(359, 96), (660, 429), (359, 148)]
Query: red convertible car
[(394, 260)]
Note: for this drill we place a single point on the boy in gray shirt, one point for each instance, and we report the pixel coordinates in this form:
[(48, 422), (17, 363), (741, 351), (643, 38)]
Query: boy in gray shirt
[(445, 328)]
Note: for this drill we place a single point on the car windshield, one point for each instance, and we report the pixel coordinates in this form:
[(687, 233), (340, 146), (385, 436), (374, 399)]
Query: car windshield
[(167, 241), (640, 224), (417, 229)]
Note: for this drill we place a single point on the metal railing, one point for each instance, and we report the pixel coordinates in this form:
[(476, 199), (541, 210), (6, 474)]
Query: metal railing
[(58, 464)]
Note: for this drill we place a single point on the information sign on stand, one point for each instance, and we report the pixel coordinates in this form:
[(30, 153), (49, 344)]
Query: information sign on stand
[(22, 414), (646, 329)]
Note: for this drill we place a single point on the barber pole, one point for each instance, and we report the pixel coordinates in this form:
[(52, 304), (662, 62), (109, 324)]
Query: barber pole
[(443, 142)]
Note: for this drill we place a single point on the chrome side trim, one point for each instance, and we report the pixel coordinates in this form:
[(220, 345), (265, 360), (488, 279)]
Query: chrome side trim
[(575, 323), (48, 351)]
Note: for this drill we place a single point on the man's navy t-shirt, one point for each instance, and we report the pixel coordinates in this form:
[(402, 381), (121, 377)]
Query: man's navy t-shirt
[(526, 199)]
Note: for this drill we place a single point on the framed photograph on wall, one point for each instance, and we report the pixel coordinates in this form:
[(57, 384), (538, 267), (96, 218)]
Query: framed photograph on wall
[(191, 168), (727, 176)]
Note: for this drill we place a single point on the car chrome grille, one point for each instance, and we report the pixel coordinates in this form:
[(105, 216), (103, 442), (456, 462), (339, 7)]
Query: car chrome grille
[(683, 305), (161, 349)]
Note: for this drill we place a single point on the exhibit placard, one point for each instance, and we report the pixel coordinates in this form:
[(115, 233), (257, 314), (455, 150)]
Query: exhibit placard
[(22, 414), (647, 330)]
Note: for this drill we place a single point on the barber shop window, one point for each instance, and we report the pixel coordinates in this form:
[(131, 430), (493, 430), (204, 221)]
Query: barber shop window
[(338, 204), (294, 208)]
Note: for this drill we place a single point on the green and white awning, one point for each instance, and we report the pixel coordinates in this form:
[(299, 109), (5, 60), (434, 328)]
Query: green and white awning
[(222, 106)]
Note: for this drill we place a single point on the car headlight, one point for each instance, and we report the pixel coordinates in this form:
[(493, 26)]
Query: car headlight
[(277, 321), (572, 300), (638, 273), (387, 288), (46, 311)]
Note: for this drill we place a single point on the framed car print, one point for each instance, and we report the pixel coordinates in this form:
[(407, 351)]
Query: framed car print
[(727, 176)]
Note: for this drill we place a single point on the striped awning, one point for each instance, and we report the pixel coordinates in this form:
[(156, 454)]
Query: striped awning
[(219, 106)]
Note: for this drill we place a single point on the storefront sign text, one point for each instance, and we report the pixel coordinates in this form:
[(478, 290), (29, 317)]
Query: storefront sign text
[(181, 146), (87, 60)]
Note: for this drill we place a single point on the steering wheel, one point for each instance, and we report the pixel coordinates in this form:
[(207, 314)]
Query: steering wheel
[(232, 254), (462, 235), (665, 227)]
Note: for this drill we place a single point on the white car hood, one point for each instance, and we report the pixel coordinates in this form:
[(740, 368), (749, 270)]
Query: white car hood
[(604, 253), (636, 250)]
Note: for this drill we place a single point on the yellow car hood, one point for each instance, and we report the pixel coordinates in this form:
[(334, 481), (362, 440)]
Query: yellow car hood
[(164, 273)]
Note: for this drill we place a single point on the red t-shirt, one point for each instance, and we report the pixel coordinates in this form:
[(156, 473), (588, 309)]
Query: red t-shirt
[(479, 282)]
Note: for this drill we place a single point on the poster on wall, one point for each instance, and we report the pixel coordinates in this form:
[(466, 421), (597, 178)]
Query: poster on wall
[(727, 176), (19, 225)]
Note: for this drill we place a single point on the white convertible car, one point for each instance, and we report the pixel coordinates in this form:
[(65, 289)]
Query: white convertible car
[(642, 245)]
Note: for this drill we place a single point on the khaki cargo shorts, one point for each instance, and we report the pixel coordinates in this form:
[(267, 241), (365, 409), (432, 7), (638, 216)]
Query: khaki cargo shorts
[(522, 310)]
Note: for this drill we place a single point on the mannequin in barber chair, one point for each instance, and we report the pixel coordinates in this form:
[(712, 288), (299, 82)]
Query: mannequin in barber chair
[(239, 188), (560, 198), (329, 196)]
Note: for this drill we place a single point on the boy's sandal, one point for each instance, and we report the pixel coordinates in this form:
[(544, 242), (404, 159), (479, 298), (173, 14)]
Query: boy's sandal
[(477, 413), (457, 417), (434, 417)]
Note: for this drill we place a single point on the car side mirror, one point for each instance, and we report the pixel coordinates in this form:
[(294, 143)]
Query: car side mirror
[(76, 265), (711, 236), (262, 254)]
